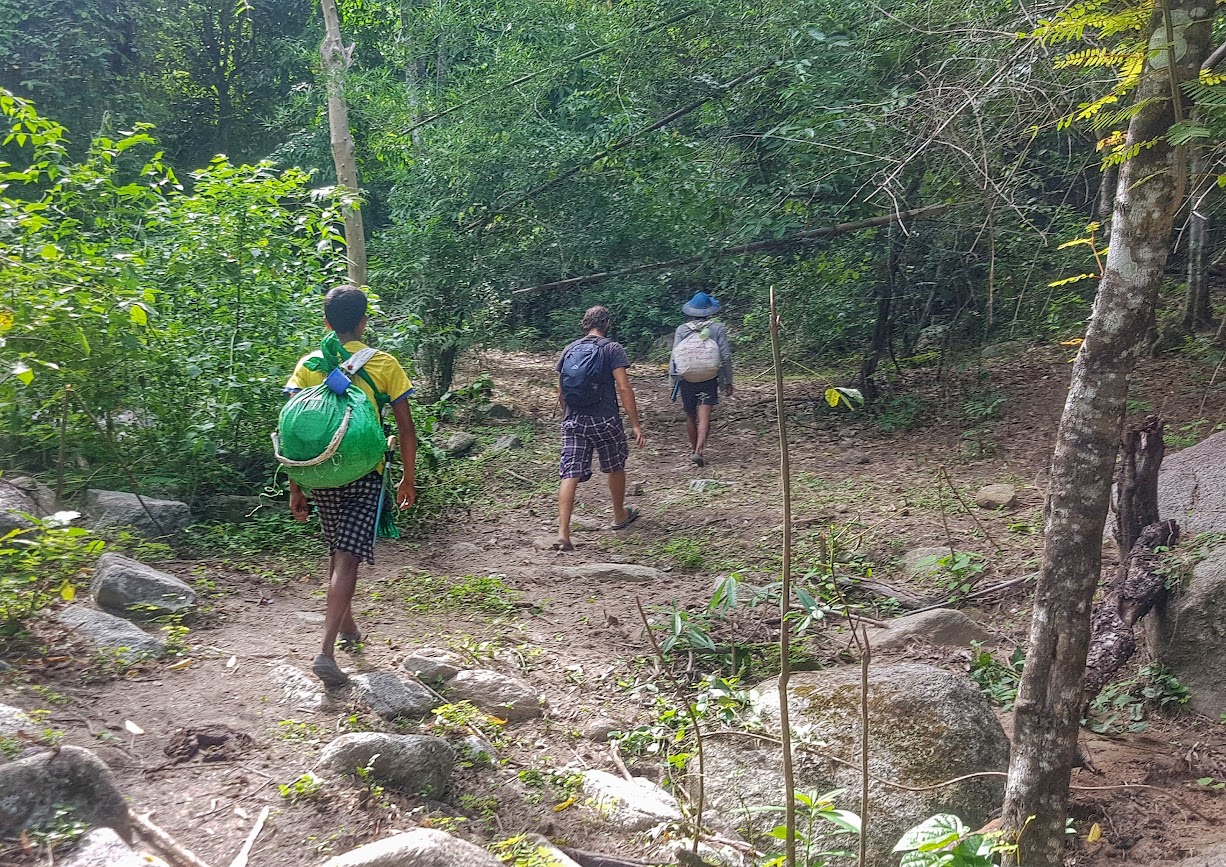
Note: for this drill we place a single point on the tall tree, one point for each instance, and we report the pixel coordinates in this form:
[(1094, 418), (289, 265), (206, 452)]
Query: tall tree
[(1150, 191), (335, 64)]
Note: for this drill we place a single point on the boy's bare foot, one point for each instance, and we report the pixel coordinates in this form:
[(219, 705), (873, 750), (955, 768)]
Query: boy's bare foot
[(563, 545)]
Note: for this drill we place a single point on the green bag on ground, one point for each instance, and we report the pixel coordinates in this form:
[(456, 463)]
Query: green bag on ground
[(325, 439)]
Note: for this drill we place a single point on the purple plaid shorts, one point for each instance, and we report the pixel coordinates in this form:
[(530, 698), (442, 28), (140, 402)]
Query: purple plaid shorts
[(583, 434)]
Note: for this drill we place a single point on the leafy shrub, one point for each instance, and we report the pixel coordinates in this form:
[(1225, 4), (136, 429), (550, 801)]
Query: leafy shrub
[(41, 565)]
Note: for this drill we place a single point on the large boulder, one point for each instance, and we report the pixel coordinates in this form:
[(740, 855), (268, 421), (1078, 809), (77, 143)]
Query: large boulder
[(415, 763), (147, 516), (420, 847), (32, 788), (15, 505), (391, 697), (495, 693), (1192, 487), (102, 847), (1188, 634), (130, 588), (631, 805), (996, 497), (109, 633), (943, 627), (926, 726), (433, 664)]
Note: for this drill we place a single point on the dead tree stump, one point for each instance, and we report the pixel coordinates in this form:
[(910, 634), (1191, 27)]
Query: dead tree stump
[(1134, 499)]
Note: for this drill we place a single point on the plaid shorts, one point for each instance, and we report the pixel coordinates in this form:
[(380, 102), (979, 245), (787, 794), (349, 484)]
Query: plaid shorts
[(583, 434), (350, 515)]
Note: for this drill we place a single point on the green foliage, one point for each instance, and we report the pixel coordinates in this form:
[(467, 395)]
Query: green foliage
[(485, 594), (899, 413), (959, 571), (41, 565), (997, 679), (521, 851), (60, 828), (819, 827), (945, 841), (307, 787), (1125, 704), (465, 717)]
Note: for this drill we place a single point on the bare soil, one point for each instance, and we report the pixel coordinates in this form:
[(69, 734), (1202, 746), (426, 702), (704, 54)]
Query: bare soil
[(219, 737)]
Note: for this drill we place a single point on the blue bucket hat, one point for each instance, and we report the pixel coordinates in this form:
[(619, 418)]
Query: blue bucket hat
[(701, 305)]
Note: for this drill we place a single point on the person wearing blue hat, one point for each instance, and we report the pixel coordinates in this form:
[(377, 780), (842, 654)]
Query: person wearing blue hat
[(699, 368)]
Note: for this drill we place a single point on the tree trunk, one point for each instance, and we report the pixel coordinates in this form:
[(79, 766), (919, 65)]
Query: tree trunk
[(1198, 312), (1134, 496), (335, 64), (1151, 187), (1106, 196)]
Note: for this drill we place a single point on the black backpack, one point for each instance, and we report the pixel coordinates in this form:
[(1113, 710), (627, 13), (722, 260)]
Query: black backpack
[(584, 371)]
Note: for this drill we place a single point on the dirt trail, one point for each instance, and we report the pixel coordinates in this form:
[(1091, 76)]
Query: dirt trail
[(582, 646)]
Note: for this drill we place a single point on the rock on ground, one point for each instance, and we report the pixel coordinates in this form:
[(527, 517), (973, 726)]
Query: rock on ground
[(1192, 487), (102, 847), (15, 504), (300, 689), (433, 664), (420, 847), (128, 587), (701, 486), (495, 693), (109, 633), (945, 627), (121, 509), (390, 696), (1214, 856), (459, 443), (415, 763), (466, 549), (996, 497), (926, 726), (507, 443), (611, 573), (631, 805), (31, 789), (14, 720), (497, 411), (1186, 634)]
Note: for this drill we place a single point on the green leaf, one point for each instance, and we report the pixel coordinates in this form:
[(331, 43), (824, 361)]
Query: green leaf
[(138, 314), (23, 372)]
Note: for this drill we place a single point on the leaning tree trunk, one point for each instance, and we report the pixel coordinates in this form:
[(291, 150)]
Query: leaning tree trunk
[(335, 64), (1150, 189), (1197, 311)]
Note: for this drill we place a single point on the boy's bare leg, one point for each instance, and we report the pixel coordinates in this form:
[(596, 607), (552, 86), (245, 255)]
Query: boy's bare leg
[(566, 506), (617, 491), (703, 428), (340, 597), (691, 431)]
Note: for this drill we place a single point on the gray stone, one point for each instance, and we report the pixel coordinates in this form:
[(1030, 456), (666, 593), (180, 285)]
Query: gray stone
[(610, 573), (233, 508), (996, 497), (507, 443), (110, 633), (931, 339), (599, 728), (14, 720), (495, 693), (479, 750), (120, 509), (945, 627), (926, 726), (390, 696), (298, 689), (1192, 487), (635, 489), (420, 847), (415, 763), (466, 549), (310, 616), (921, 562), (128, 587), (32, 788), (433, 664), (102, 847), (497, 411), (1212, 856), (1188, 634), (43, 498), (459, 443), (702, 486), (15, 505), (631, 805)]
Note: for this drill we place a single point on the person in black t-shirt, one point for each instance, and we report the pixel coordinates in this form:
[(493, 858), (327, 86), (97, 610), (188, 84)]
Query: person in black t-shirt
[(596, 428)]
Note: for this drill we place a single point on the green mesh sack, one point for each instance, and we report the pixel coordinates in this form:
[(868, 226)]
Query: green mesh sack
[(327, 440)]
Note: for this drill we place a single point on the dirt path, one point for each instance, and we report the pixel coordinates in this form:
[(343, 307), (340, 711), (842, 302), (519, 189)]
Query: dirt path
[(582, 646)]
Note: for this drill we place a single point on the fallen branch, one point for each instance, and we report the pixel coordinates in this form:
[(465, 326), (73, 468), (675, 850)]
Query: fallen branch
[(740, 249), (240, 860), (163, 842)]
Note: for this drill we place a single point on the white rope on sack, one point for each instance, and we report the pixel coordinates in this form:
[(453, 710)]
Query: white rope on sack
[(326, 454)]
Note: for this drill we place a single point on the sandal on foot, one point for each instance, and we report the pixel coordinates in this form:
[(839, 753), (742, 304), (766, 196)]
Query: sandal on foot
[(561, 546), (698, 459), (632, 515), (326, 669), (350, 642)]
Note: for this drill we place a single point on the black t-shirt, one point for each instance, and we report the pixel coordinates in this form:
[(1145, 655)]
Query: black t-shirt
[(615, 357)]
